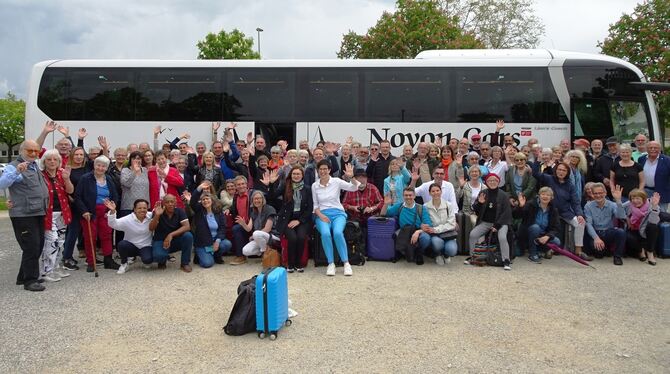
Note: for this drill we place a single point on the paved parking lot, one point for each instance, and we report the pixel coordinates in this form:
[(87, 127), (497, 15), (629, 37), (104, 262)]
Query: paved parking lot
[(557, 317)]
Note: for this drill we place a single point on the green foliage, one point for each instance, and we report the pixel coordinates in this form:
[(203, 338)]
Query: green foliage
[(3, 203), (498, 23), (643, 39), (230, 46), (415, 26), (12, 119)]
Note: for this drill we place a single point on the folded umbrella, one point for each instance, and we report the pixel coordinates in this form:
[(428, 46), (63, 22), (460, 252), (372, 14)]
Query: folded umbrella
[(567, 253)]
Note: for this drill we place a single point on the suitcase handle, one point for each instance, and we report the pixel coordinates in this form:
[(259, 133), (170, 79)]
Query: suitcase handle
[(381, 219)]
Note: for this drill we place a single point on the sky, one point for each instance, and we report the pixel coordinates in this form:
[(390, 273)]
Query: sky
[(34, 30)]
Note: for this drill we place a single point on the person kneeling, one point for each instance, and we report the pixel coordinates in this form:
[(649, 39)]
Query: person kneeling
[(540, 222), (210, 228), (494, 214), (260, 224), (171, 233), (137, 236), (413, 219)]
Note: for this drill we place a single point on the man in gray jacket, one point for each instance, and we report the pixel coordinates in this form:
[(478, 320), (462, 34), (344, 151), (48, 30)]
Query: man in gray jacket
[(30, 197)]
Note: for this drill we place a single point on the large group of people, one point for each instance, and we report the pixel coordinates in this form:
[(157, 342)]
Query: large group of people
[(242, 196)]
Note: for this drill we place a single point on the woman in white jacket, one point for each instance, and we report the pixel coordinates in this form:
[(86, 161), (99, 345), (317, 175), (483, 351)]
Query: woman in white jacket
[(444, 231)]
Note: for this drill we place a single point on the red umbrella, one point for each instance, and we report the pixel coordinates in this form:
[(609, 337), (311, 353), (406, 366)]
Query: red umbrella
[(567, 253)]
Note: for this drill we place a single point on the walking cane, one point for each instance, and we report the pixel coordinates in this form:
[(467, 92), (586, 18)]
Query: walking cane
[(90, 236)]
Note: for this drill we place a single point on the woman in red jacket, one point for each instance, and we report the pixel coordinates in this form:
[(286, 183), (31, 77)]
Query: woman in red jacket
[(164, 179)]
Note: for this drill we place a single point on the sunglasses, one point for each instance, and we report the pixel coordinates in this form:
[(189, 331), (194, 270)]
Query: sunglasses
[(33, 151)]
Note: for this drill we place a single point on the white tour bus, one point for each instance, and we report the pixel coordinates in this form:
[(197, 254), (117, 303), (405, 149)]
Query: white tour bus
[(545, 94)]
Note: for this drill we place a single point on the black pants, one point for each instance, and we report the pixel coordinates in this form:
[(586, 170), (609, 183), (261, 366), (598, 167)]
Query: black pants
[(29, 232), (296, 243), (127, 249), (635, 242)]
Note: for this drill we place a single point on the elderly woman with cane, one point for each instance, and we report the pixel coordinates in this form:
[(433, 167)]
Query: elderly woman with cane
[(92, 191)]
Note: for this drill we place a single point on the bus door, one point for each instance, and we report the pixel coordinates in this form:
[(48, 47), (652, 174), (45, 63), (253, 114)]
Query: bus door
[(274, 132), (602, 118)]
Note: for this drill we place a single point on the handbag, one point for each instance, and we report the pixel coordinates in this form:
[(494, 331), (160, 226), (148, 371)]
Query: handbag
[(448, 235), (481, 252), (271, 258), (403, 242)]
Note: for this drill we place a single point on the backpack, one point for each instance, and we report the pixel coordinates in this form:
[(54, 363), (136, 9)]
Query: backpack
[(403, 236), (355, 243), (242, 318)]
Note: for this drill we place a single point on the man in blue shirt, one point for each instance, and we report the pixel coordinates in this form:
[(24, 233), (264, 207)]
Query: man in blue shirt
[(409, 213), (600, 214)]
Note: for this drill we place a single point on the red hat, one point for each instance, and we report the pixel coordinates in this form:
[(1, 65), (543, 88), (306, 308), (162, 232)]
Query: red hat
[(476, 137), (582, 142), (491, 175)]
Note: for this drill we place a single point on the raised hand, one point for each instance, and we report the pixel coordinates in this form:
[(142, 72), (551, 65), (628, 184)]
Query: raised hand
[(250, 137), (65, 130), (617, 192), (228, 136), (215, 126), (266, 178), (82, 133), (283, 144), (461, 181), (500, 124), (65, 172), (109, 204), (22, 167), (103, 142), (50, 126), (226, 147), (415, 174), (388, 199), (481, 198), (438, 142), (185, 136), (655, 199), (522, 200), (348, 171), (186, 196), (158, 209), (349, 140), (231, 125), (157, 131), (274, 175)]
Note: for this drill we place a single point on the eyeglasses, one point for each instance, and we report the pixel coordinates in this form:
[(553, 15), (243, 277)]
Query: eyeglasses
[(374, 149), (436, 173), (520, 159), (33, 151)]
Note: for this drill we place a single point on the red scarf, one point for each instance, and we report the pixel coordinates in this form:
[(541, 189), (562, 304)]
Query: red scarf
[(445, 163), (62, 199)]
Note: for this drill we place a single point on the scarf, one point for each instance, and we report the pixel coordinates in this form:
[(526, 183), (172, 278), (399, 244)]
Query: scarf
[(637, 215), (446, 162), (62, 199), (297, 196)]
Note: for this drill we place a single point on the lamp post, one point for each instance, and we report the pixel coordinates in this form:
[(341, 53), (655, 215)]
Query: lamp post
[(259, 31)]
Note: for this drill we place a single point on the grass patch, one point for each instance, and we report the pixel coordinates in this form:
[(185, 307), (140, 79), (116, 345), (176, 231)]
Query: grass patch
[(3, 203)]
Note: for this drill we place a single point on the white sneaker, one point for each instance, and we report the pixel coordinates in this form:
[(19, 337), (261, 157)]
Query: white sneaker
[(122, 269), (331, 270), (439, 259), (51, 277), (61, 272), (130, 260), (447, 260), (347, 270)]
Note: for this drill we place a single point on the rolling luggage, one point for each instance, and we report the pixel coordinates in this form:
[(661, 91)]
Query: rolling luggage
[(271, 302), (663, 246), (304, 257), (380, 241), (319, 255)]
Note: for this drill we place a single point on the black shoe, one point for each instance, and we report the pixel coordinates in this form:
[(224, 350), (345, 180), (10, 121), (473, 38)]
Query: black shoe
[(290, 270), (99, 261), (419, 259), (618, 260), (34, 287), (110, 264), (70, 265), (21, 283), (89, 268), (599, 254), (162, 266), (218, 260), (301, 270)]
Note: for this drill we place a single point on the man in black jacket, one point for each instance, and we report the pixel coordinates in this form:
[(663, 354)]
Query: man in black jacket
[(603, 165), (378, 169)]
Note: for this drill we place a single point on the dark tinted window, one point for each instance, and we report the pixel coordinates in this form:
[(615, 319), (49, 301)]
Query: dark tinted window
[(101, 95), (592, 119), (405, 95), (179, 95), (261, 94), (513, 94), (52, 95), (600, 81), (329, 95)]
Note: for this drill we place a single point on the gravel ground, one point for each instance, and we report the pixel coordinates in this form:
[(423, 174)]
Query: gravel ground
[(554, 317)]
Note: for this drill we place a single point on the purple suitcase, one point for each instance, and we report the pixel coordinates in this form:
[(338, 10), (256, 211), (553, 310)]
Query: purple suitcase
[(380, 242)]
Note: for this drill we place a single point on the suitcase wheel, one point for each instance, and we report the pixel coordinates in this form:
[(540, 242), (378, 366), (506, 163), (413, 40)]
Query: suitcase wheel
[(261, 335), (288, 323), (273, 336)]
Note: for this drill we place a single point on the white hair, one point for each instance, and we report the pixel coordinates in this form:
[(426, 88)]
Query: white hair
[(50, 153), (102, 159)]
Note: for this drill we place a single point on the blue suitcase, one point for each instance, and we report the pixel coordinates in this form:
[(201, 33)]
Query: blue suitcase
[(663, 246), (380, 242), (271, 302)]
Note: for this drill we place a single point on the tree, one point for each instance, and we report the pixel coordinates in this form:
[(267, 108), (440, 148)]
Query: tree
[(231, 46), (643, 39), (498, 23), (12, 119), (415, 26)]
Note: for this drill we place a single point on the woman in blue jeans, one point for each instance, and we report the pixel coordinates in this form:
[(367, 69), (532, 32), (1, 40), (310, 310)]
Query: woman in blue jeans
[(540, 223), (330, 217), (210, 227), (443, 232)]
